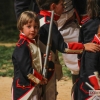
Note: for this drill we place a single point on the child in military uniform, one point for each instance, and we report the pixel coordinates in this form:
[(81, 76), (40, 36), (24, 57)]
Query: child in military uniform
[(69, 29), (27, 60), (90, 61)]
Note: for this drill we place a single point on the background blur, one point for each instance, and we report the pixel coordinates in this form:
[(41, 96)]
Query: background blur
[(8, 30)]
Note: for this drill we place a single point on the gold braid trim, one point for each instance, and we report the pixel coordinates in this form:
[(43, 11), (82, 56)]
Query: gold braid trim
[(33, 78), (70, 51)]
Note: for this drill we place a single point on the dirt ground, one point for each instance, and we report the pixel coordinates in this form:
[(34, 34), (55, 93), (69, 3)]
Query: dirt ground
[(64, 88)]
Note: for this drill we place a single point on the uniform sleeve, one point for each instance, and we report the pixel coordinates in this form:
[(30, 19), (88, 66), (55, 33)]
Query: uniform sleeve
[(23, 58), (60, 45), (20, 6), (58, 39)]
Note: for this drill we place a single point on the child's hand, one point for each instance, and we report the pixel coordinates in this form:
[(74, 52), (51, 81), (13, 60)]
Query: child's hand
[(43, 81), (92, 47), (50, 56)]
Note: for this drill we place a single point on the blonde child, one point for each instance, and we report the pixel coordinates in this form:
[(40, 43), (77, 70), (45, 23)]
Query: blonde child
[(27, 60)]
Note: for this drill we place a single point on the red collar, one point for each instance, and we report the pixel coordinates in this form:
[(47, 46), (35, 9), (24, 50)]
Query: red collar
[(47, 13), (84, 19), (22, 36)]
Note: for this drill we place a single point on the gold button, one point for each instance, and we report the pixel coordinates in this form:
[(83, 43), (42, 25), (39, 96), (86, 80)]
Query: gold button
[(23, 85)]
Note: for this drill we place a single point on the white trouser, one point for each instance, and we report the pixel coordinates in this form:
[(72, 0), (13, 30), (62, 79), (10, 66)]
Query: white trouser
[(70, 33)]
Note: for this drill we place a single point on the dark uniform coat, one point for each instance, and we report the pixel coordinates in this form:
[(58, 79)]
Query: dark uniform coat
[(57, 42), (26, 71), (90, 62)]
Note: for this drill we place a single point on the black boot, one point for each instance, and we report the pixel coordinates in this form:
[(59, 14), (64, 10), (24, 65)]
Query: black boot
[(74, 78)]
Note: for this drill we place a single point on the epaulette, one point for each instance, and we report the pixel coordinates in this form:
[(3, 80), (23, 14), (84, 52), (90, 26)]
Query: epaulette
[(85, 20), (20, 42)]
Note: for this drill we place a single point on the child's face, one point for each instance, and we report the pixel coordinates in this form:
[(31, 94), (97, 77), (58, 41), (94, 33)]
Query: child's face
[(30, 29), (59, 8)]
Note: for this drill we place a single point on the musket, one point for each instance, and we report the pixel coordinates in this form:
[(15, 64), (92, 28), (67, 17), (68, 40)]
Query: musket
[(48, 46), (45, 67)]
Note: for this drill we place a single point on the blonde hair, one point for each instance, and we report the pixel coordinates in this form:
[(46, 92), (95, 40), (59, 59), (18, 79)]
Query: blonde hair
[(27, 17)]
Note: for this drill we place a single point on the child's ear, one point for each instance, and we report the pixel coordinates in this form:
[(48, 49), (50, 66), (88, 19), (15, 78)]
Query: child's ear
[(21, 31), (53, 6)]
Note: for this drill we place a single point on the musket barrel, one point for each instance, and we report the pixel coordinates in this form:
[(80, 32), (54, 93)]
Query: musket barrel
[(48, 44)]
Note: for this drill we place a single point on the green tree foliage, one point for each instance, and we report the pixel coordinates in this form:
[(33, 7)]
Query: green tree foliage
[(8, 29), (7, 14)]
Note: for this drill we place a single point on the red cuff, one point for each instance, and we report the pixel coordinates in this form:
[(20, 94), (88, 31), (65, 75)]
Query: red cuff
[(94, 81), (75, 46), (38, 75)]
